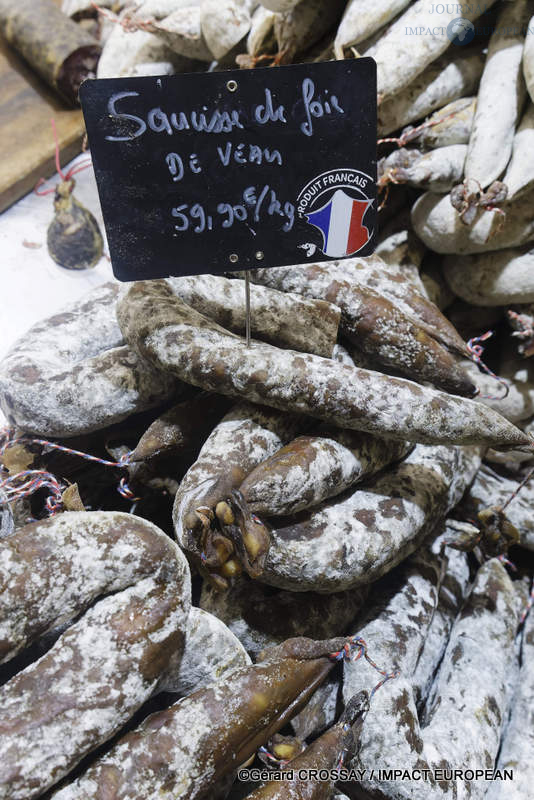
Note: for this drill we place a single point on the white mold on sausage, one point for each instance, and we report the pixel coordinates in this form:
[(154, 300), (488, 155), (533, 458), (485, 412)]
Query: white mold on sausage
[(436, 171), (179, 340), (182, 32), (224, 23), (280, 6), (281, 318), (442, 82), (528, 59), (500, 97), (304, 25), (361, 19), (491, 489), (72, 373), (354, 540), (519, 176), (516, 748), (135, 583), (438, 224), (470, 694), (451, 124), (261, 34), (314, 468), (402, 56), (494, 278), (210, 651)]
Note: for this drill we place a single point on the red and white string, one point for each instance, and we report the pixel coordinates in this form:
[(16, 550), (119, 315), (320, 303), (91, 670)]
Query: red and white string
[(32, 480), (65, 176), (476, 350)]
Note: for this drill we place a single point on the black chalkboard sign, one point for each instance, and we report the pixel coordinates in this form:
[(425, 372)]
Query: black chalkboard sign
[(221, 171)]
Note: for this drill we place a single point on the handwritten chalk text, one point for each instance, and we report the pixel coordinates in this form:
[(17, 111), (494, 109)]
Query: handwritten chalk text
[(251, 154), (128, 126), (254, 205), (315, 107)]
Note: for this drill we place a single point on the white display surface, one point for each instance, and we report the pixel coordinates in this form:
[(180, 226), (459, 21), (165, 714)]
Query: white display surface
[(32, 285)]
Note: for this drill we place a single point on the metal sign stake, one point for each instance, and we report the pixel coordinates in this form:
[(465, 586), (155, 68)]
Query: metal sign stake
[(247, 306)]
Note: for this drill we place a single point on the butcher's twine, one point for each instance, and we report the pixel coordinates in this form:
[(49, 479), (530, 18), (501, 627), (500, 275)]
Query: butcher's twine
[(354, 648), (28, 482), (477, 351), (355, 644)]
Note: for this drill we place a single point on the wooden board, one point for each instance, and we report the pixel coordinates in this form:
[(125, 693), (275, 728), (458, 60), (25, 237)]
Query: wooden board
[(27, 105)]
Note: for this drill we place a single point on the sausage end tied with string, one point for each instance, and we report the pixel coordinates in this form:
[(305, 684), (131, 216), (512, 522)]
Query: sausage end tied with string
[(412, 133), (502, 557), (354, 648), (476, 350), (401, 141), (127, 21), (66, 177)]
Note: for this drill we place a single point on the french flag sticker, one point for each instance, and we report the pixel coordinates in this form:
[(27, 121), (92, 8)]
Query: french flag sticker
[(341, 223)]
